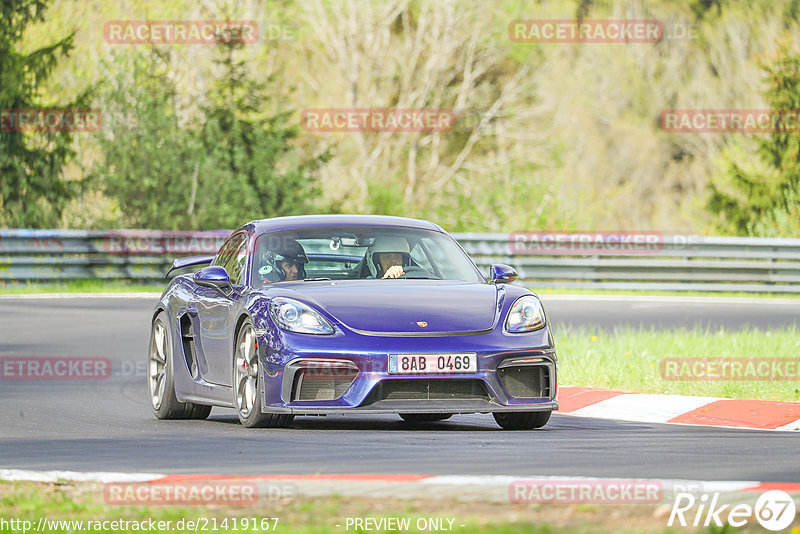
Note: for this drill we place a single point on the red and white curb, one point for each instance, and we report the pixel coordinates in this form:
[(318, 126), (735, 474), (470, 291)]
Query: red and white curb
[(703, 411)]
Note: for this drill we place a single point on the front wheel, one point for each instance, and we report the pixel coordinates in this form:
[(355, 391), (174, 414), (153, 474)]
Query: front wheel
[(248, 385), (161, 377), (522, 420)]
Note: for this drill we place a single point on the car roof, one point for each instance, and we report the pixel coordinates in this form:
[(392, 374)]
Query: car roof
[(305, 221)]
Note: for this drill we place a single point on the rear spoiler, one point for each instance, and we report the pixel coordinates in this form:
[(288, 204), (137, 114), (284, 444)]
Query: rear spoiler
[(188, 261)]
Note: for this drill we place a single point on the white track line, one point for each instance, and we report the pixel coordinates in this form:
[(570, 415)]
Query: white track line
[(76, 476), (795, 425)]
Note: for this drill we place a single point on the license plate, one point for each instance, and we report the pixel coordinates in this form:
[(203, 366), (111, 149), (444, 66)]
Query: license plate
[(406, 364)]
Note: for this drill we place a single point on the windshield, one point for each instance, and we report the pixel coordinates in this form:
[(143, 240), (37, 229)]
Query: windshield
[(359, 252)]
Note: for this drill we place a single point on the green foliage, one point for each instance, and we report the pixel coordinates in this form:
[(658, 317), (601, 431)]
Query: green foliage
[(760, 195), (251, 169), (744, 188), (703, 7), (33, 192), (171, 171), (384, 197), (783, 220), (147, 158), (570, 140)]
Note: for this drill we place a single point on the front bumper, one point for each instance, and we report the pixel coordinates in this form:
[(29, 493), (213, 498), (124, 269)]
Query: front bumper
[(518, 378), (414, 407)]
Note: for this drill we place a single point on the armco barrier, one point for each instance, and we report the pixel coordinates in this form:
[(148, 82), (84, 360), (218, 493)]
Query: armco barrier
[(143, 255), (667, 262)]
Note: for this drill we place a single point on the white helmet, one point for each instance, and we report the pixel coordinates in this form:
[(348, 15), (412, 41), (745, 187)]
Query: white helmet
[(387, 243)]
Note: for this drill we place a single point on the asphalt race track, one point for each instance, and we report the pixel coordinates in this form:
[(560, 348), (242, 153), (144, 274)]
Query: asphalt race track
[(106, 425)]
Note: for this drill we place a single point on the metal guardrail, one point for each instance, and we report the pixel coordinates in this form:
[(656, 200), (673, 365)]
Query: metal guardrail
[(645, 261), (141, 255)]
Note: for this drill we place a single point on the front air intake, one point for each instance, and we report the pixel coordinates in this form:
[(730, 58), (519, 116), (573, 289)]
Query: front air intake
[(321, 386), (525, 381), (316, 380)]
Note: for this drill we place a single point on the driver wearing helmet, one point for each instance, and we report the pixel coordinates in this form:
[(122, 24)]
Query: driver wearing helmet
[(388, 256), (286, 263)]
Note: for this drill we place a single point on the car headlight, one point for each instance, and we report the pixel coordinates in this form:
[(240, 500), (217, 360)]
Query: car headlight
[(526, 315), (295, 316)]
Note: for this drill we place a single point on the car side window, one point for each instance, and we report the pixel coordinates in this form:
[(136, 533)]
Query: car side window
[(420, 257), (233, 256)]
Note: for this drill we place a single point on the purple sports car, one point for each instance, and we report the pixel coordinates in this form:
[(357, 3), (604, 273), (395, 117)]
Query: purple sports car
[(325, 314)]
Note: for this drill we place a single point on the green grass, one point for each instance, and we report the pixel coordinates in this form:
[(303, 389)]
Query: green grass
[(543, 292), (28, 501), (82, 286), (124, 286), (627, 359)]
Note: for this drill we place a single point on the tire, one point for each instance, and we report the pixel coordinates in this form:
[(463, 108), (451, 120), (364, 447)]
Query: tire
[(160, 380), (522, 420), (248, 383), (425, 417)]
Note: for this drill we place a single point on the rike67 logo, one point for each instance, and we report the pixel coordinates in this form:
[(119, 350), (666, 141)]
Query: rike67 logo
[(774, 510)]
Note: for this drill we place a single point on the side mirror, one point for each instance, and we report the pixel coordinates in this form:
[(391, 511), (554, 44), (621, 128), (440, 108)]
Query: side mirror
[(500, 273), (214, 276)]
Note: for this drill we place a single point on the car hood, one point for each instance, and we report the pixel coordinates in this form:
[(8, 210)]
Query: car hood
[(413, 307)]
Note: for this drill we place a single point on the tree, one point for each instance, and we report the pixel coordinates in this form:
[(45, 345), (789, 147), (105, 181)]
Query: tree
[(33, 192), (783, 220), (149, 159), (452, 56), (171, 169), (251, 169), (748, 193)]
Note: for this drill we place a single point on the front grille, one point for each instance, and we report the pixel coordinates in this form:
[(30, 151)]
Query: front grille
[(424, 389), (321, 384), (526, 381)]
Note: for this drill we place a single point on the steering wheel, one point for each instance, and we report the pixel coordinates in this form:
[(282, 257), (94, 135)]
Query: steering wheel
[(414, 271)]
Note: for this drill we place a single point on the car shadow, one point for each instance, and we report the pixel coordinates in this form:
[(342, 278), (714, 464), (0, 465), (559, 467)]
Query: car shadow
[(387, 423)]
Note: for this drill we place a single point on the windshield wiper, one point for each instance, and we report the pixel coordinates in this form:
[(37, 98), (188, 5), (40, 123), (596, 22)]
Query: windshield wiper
[(315, 279)]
